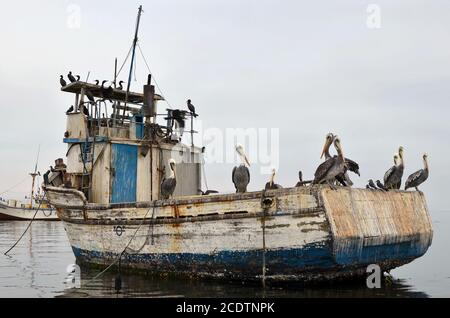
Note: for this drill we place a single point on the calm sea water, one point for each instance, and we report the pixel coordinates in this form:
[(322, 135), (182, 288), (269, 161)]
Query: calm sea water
[(37, 268)]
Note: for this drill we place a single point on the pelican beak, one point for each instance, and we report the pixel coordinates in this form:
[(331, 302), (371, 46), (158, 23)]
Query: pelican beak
[(246, 160), (325, 145)]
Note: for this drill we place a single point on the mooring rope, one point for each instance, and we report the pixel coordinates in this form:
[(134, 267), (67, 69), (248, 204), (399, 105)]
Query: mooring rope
[(124, 250), (29, 224)]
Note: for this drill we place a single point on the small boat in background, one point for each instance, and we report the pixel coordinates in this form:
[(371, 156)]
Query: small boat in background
[(37, 208)]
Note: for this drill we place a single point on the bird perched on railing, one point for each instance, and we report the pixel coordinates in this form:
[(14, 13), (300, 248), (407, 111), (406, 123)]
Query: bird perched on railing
[(71, 78), (351, 165), (62, 81), (372, 185), (393, 177), (107, 92), (191, 108), (241, 174), (418, 177), (300, 179), (169, 184), (381, 186), (271, 185)]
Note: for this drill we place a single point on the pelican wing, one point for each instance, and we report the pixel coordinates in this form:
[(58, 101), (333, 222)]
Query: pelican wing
[(389, 174), (415, 179), (352, 165), (322, 169)]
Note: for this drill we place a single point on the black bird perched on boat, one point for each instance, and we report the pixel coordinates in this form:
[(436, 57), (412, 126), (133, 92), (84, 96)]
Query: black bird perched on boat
[(71, 78), (107, 92), (62, 81), (241, 174), (393, 177), (169, 184), (85, 110), (418, 177), (69, 110), (300, 179), (381, 186), (334, 166), (207, 192), (90, 96), (191, 108), (372, 185), (271, 185), (120, 85), (78, 78), (97, 82)]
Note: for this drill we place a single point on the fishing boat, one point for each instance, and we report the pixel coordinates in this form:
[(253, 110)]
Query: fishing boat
[(37, 208), (109, 199)]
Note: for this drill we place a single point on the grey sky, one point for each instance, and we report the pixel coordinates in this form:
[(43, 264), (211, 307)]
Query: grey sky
[(305, 67)]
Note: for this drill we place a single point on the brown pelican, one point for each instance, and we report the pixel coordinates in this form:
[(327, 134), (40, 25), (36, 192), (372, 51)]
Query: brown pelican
[(169, 184), (300, 179), (191, 108), (241, 174), (393, 177), (418, 177), (62, 81), (351, 165), (71, 77), (334, 166), (271, 185)]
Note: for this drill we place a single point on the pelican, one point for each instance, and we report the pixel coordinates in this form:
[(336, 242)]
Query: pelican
[(271, 185), (393, 177), (300, 179), (71, 77), (169, 184), (62, 81), (418, 177), (334, 166), (351, 165), (191, 108), (241, 174)]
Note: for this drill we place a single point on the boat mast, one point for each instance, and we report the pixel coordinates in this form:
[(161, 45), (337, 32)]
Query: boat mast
[(132, 59), (33, 177)]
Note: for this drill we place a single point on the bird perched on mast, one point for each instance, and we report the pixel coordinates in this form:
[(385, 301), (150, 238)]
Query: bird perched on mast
[(241, 174), (191, 108), (418, 177), (71, 78), (271, 185), (169, 184)]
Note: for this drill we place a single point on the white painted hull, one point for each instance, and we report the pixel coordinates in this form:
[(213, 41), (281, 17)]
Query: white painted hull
[(302, 235), (8, 213)]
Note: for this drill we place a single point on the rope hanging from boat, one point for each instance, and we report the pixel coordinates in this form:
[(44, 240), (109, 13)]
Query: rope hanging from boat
[(29, 224)]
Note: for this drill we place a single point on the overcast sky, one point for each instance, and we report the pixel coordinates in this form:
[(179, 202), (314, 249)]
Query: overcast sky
[(305, 67)]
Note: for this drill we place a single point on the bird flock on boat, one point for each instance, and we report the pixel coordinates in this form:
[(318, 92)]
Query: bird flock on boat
[(333, 171)]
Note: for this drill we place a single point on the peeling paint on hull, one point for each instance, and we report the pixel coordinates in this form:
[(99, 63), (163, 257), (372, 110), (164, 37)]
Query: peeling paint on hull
[(310, 234)]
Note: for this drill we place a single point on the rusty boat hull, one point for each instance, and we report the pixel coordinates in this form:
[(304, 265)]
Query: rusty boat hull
[(306, 234)]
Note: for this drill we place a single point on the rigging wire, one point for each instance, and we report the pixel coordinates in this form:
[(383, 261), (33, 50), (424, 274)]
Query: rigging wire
[(16, 185), (126, 59), (154, 79)]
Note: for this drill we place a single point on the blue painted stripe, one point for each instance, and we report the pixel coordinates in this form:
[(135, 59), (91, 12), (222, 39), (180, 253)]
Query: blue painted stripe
[(281, 261), (82, 140)]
